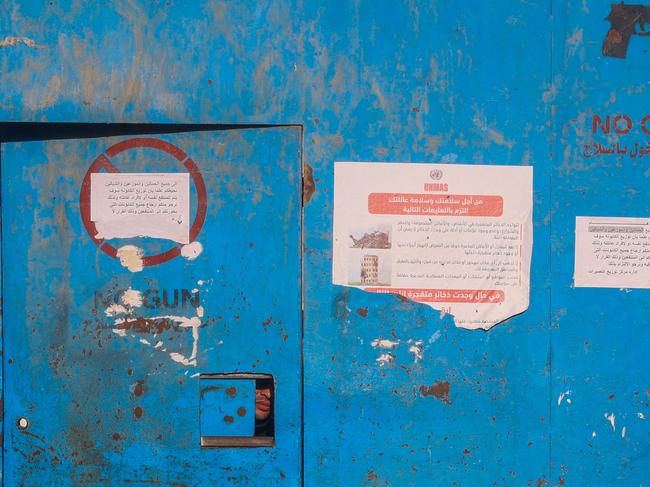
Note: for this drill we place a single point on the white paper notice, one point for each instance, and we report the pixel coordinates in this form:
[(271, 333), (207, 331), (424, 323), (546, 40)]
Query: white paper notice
[(156, 205), (456, 237), (612, 252)]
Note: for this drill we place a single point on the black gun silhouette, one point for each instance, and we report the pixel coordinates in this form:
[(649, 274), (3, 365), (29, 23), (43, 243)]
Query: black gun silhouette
[(624, 20)]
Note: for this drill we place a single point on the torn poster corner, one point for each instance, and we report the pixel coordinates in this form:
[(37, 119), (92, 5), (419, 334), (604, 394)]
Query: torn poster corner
[(456, 237), (126, 205)]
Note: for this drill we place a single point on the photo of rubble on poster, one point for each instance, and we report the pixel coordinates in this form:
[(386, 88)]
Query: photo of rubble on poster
[(456, 237)]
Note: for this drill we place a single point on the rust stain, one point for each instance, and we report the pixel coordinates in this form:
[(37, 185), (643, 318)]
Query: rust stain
[(14, 41), (308, 185), (137, 412), (466, 451), (139, 389), (363, 312), (231, 391), (241, 411), (117, 436), (401, 298), (372, 475), (267, 322), (229, 419), (439, 390), (150, 325)]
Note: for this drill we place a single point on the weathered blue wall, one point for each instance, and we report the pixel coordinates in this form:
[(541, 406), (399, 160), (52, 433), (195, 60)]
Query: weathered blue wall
[(502, 82)]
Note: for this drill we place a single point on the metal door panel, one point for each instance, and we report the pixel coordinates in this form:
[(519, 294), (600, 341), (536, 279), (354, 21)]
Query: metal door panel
[(116, 402)]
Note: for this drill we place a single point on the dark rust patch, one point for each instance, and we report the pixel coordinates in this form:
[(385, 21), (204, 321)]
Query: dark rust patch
[(231, 391), (403, 299), (372, 475), (137, 412), (150, 325), (241, 411), (117, 436), (139, 389), (308, 185), (439, 390), (267, 322), (363, 312), (229, 419)]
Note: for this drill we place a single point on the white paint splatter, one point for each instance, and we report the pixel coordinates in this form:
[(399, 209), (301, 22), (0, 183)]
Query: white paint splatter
[(131, 257), (200, 311), (593, 434), (195, 290), (114, 309), (562, 396), (200, 282), (14, 41), (435, 337), (449, 158), (623, 431), (177, 357), (192, 250), (640, 415), (612, 420), (195, 375), (132, 298), (417, 351), (385, 344), (386, 358), (184, 322)]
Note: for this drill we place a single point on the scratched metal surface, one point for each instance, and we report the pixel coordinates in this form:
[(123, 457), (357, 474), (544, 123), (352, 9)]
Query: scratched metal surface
[(502, 82), (600, 337), (111, 393)]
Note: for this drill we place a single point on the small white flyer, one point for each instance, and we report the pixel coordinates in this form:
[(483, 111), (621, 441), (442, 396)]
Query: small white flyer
[(456, 237), (612, 252), (156, 205)]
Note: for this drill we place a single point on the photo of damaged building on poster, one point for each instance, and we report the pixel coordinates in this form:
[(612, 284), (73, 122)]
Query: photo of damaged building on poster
[(375, 238)]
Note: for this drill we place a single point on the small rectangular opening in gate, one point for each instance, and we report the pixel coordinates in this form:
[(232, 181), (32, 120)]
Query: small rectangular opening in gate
[(237, 410)]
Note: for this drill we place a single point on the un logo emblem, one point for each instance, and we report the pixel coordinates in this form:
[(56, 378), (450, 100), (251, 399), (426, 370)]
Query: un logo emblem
[(435, 174)]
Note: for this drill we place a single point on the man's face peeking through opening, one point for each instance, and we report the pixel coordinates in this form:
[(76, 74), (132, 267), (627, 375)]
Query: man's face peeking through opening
[(263, 399)]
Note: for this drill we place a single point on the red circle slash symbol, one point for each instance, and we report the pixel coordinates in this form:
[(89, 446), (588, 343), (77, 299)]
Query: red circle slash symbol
[(103, 162)]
